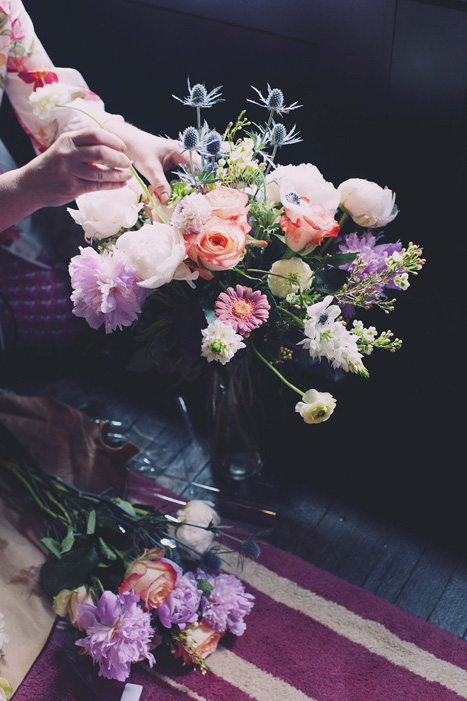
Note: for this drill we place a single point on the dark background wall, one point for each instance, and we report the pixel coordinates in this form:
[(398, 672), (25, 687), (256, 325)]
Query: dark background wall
[(383, 89)]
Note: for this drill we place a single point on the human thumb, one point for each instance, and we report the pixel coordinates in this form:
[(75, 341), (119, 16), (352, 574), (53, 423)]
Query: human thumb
[(160, 184)]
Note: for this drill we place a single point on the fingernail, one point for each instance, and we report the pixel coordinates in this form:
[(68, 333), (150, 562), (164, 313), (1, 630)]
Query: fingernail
[(164, 198)]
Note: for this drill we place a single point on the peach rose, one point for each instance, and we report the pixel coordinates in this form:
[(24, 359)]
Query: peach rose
[(219, 244), (151, 578), (202, 640), (67, 601), (307, 223), (228, 203)]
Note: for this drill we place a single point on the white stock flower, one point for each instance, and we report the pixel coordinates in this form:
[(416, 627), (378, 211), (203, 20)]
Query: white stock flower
[(46, 98), (316, 407), (198, 513), (104, 213), (220, 342), (299, 276), (304, 180), (367, 203), (327, 337), (155, 251)]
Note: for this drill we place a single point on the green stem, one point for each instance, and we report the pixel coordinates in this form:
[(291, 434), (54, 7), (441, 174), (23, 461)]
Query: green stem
[(13, 468), (271, 367), (132, 168)]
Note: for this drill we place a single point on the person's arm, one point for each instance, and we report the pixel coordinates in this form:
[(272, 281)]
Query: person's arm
[(78, 162)]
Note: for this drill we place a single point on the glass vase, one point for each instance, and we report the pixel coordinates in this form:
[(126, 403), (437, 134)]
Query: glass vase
[(236, 419)]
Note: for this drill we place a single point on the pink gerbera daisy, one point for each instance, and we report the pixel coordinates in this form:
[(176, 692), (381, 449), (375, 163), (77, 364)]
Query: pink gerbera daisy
[(242, 308)]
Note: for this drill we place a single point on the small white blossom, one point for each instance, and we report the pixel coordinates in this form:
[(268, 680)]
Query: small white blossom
[(290, 276), (402, 281), (46, 98), (316, 407), (220, 342)]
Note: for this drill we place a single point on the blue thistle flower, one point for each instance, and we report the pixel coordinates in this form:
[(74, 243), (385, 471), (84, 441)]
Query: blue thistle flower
[(274, 101), (190, 139), (199, 97), (250, 548), (211, 561), (212, 144), (279, 136)]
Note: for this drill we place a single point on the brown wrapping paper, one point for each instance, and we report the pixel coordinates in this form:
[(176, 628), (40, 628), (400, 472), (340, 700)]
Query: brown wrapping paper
[(66, 442)]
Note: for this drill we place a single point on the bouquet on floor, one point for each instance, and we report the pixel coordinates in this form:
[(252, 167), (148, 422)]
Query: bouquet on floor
[(130, 577), (278, 259)]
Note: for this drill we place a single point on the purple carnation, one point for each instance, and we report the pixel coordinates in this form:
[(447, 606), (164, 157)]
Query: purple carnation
[(118, 633), (181, 605), (105, 289), (227, 604)]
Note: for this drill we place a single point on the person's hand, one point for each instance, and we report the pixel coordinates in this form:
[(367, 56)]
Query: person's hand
[(152, 155), (78, 162)]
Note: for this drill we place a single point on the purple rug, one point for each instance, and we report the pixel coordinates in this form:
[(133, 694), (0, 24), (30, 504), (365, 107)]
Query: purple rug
[(309, 636)]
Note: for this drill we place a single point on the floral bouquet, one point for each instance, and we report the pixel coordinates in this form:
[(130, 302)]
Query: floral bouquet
[(266, 250), (128, 576)]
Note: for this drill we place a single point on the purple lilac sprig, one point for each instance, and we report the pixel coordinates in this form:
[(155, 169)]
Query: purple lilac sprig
[(377, 267)]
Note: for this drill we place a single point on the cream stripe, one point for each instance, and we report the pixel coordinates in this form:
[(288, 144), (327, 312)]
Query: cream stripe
[(179, 687), (254, 681), (372, 635)]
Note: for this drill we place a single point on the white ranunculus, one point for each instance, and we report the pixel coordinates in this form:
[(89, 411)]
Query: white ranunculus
[(198, 513), (297, 272), (367, 203), (155, 251), (304, 180), (104, 213), (316, 407)]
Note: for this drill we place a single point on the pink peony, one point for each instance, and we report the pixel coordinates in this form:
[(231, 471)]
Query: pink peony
[(242, 308), (105, 289)]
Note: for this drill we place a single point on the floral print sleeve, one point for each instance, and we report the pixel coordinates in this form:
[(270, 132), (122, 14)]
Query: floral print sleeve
[(25, 66)]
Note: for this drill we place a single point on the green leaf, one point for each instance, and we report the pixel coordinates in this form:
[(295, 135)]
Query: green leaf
[(91, 522), (52, 545), (339, 259), (70, 571), (68, 541), (106, 550), (126, 505), (204, 585)]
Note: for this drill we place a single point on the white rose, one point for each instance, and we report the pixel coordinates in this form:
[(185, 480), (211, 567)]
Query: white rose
[(104, 213), (304, 180), (298, 272), (367, 203), (155, 251), (316, 407), (199, 513)]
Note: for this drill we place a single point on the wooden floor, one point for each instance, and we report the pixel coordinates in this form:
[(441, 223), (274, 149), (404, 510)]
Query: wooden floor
[(397, 565)]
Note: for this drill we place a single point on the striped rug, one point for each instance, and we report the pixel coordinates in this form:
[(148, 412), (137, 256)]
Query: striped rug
[(310, 636)]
